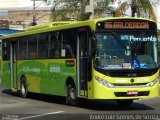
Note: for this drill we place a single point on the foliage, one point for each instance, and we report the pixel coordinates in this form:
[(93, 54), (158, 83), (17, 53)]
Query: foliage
[(75, 9), (137, 6)]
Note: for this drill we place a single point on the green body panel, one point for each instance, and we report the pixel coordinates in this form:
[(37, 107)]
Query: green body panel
[(43, 76), (6, 75)]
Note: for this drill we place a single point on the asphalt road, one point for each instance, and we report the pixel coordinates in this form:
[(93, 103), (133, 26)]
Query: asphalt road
[(46, 107)]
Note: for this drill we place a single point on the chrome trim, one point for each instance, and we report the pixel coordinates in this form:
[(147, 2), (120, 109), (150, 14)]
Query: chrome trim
[(11, 65), (78, 61)]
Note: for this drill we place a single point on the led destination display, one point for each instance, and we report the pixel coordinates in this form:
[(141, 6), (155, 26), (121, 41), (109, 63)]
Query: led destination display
[(127, 25)]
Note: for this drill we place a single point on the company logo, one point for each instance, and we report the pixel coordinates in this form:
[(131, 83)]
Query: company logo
[(132, 80)]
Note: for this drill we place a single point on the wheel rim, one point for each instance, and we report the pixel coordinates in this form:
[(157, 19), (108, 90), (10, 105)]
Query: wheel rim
[(72, 94), (23, 89)]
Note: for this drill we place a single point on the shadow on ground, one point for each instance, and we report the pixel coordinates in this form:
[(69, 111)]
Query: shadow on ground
[(87, 104)]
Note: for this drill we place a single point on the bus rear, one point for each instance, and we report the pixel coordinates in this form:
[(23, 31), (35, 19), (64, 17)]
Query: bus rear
[(125, 62)]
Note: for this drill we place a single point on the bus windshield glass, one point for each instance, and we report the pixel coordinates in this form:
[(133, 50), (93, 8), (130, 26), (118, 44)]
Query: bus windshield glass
[(126, 51)]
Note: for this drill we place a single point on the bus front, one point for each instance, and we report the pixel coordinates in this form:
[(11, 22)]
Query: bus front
[(125, 60)]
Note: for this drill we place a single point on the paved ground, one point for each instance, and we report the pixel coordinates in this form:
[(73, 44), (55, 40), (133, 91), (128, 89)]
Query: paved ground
[(45, 107)]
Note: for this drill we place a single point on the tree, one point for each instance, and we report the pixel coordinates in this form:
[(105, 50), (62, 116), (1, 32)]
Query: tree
[(102, 7), (137, 6), (75, 9)]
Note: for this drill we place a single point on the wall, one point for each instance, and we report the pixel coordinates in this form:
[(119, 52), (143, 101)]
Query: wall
[(22, 18)]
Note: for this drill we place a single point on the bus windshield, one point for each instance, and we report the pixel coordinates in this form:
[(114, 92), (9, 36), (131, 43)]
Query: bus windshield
[(126, 51)]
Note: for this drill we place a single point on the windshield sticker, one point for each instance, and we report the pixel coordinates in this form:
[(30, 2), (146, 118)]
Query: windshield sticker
[(145, 39), (105, 62), (144, 65), (124, 37), (127, 65), (105, 37), (113, 67), (136, 63)]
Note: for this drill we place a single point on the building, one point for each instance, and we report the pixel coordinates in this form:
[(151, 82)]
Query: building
[(20, 13), (22, 18)]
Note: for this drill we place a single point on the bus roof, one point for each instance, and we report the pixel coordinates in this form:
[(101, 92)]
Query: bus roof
[(113, 18), (59, 25)]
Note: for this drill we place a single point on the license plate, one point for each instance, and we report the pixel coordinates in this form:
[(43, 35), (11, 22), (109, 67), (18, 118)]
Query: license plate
[(132, 92)]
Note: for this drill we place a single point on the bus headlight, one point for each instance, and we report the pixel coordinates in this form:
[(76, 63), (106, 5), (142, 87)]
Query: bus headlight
[(104, 82), (152, 83)]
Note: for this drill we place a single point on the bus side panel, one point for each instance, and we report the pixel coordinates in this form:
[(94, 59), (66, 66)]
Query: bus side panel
[(58, 72), (30, 71), (6, 75), (46, 76)]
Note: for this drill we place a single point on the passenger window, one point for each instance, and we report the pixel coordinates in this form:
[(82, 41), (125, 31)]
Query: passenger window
[(43, 46), (22, 52), (69, 43), (32, 47), (6, 50)]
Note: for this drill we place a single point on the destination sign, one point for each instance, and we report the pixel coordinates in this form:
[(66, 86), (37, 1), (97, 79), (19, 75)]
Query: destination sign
[(126, 25)]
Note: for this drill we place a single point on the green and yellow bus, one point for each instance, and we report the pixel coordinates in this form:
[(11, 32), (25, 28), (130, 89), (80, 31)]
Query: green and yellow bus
[(106, 58), (0, 57)]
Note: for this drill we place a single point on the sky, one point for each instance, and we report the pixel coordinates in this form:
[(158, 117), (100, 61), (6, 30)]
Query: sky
[(19, 3), (23, 3)]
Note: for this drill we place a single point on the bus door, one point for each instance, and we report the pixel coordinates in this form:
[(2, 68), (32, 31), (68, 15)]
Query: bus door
[(13, 65), (82, 62)]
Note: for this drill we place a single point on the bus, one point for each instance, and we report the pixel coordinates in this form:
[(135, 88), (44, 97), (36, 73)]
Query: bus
[(0, 57), (158, 43), (101, 59)]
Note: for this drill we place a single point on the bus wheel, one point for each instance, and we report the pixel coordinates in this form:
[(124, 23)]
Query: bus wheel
[(71, 95), (124, 103), (23, 87)]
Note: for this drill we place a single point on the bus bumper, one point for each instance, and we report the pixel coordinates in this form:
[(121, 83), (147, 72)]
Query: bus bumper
[(102, 92)]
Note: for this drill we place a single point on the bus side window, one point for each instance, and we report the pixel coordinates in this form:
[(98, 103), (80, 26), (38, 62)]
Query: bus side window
[(22, 54), (32, 55), (57, 53), (69, 51), (6, 50), (57, 43), (32, 47), (69, 43), (53, 51), (22, 50), (43, 46)]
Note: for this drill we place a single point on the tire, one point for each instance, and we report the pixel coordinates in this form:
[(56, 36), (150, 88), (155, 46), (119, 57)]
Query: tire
[(23, 87), (124, 103), (71, 95)]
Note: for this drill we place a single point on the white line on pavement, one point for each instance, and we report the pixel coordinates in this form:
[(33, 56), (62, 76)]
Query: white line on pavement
[(40, 115)]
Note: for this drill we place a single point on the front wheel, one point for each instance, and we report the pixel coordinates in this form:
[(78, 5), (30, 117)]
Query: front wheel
[(71, 95), (124, 103), (23, 87)]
